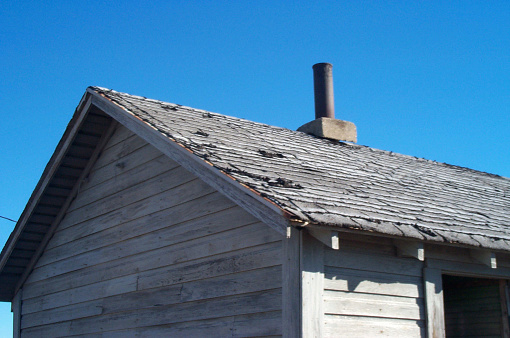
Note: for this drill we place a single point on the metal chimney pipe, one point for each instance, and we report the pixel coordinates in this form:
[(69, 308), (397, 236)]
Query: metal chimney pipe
[(323, 90)]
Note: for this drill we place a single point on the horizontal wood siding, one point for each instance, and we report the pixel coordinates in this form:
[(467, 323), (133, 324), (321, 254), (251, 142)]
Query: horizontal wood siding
[(147, 249), (370, 292)]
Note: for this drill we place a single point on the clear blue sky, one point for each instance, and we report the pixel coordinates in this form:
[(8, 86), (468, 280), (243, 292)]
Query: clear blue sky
[(429, 79)]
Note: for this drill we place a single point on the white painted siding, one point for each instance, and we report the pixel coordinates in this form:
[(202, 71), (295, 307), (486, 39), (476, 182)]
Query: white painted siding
[(148, 249), (370, 292)]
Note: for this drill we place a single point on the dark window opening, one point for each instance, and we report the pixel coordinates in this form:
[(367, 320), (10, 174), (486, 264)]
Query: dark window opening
[(475, 307)]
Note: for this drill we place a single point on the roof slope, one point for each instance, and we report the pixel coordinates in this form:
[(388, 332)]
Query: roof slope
[(338, 184)]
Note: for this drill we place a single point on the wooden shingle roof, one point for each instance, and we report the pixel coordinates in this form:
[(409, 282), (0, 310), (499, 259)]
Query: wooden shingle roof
[(335, 184)]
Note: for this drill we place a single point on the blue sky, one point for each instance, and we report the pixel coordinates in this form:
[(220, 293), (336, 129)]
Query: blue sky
[(429, 79)]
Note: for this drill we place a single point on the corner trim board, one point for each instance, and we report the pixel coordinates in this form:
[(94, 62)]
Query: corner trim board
[(312, 284), (434, 302), (291, 284)]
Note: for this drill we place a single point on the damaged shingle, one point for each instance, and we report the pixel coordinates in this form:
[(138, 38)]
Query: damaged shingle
[(424, 230), (201, 133), (281, 182), (278, 182), (269, 154)]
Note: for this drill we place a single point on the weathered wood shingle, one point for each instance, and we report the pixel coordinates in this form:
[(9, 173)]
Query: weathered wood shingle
[(339, 184)]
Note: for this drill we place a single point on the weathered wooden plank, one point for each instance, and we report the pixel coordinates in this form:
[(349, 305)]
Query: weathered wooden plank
[(372, 282), (113, 158), (123, 178), (119, 150), (175, 220), (180, 194), (151, 209), (164, 315), (373, 305), (380, 263), (112, 287), (153, 240), (312, 284), (167, 181), (362, 327), (67, 306), (434, 302), (206, 267), (264, 324), (247, 259), (120, 134), (144, 159), (251, 235), (123, 181), (291, 288)]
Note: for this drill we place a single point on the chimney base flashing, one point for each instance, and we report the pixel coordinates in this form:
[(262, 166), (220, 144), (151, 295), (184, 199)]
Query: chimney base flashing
[(331, 129)]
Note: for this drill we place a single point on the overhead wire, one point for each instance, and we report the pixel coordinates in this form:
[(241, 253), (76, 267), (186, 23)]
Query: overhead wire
[(7, 218)]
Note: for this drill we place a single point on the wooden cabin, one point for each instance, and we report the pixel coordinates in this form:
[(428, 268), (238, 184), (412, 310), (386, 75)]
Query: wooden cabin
[(157, 220)]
